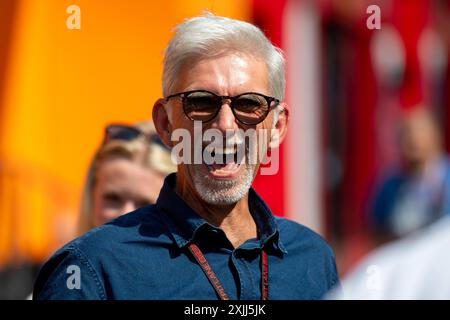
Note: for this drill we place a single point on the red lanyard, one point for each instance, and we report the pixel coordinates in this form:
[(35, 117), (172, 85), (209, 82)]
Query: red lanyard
[(215, 282)]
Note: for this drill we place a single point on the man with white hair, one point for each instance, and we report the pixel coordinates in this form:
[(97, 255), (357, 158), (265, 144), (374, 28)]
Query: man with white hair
[(210, 235)]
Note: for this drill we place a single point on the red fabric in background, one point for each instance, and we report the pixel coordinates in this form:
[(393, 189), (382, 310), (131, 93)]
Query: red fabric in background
[(360, 160), (359, 155), (360, 163), (446, 106), (268, 15), (411, 18)]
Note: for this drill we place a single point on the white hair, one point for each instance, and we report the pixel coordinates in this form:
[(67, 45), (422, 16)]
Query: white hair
[(211, 35)]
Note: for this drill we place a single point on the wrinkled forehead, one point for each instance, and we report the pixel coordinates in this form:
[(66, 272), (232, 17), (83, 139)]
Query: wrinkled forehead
[(228, 73)]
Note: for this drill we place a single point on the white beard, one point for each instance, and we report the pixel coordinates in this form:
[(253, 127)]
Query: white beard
[(223, 192)]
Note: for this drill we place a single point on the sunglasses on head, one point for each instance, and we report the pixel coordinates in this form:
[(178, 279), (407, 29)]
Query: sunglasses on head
[(248, 108), (128, 133)]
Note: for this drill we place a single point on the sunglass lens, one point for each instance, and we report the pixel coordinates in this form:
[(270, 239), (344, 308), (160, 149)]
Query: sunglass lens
[(123, 132), (201, 106), (251, 108)]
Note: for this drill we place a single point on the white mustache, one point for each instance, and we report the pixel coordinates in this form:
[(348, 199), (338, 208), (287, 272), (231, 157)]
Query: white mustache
[(228, 145)]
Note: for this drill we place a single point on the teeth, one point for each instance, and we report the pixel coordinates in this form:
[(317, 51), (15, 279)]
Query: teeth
[(230, 167), (219, 150)]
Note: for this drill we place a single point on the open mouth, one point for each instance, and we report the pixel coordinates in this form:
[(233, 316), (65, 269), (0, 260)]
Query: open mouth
[(224, 162)]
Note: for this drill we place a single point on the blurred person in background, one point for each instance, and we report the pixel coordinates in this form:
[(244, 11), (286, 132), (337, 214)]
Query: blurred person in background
[(126, 173), (417, 193), (415, 267)]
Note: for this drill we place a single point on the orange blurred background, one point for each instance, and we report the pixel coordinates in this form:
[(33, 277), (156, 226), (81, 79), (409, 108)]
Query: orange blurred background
[(59, 89)]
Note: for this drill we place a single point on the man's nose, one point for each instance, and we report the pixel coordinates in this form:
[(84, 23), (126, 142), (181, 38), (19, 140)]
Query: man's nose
[(225, 119)]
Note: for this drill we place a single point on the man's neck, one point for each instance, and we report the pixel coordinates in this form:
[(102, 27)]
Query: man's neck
[(235, 220)]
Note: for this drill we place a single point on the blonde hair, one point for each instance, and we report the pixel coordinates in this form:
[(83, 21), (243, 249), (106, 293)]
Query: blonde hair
[(147, 152)]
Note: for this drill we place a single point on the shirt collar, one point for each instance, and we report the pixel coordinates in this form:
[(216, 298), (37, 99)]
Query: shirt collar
[(183, 222)]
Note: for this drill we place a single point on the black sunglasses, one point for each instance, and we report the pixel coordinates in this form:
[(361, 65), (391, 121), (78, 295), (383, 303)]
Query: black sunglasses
[(249, 108), (129, 133)]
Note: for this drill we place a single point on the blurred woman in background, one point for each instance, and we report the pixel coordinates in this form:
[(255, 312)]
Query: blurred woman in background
[(126, 173)]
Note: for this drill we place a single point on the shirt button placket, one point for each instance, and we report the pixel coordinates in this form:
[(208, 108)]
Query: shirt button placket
[(247, 291)]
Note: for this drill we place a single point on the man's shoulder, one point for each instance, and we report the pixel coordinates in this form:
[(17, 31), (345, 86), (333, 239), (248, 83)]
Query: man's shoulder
[(308, 248), (296, 234), (128, 227), (97, 251), (113, 239)]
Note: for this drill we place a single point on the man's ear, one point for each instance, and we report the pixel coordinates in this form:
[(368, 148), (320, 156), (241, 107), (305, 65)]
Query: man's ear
[(162, 122), (280, 129)]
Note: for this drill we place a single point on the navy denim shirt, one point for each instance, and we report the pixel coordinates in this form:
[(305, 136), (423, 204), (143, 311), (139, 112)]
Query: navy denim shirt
[(144, 255)]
